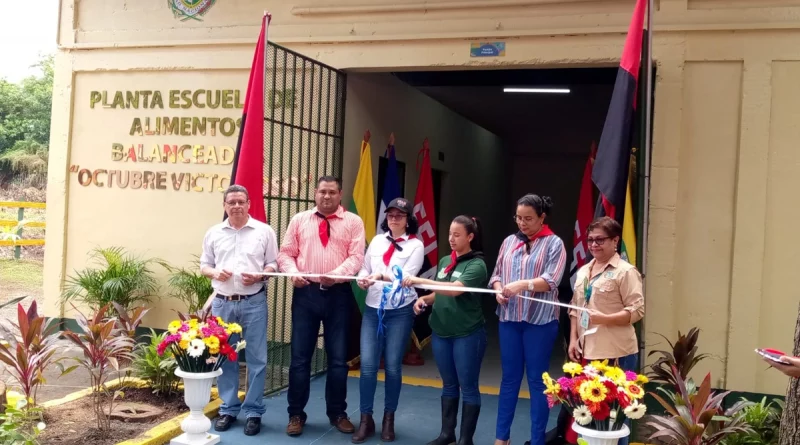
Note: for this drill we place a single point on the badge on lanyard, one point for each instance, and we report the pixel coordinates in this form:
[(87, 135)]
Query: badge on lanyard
[(584, 320)]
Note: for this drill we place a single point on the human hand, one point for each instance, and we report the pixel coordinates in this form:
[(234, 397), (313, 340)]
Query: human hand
[(326, 281), (250, 279), (597, 317), (574, 351), (364, 283), (501, 299), (222, 275), (515, 288), (419, 306), (792, 369), (409, 281), (299, 282)]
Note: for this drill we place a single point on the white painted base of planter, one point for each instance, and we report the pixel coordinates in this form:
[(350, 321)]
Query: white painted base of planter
[(594, 437), (197, 394)]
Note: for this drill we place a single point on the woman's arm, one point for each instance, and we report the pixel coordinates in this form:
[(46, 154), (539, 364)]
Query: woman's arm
[(496, 281), (416, 281), (630, 287)]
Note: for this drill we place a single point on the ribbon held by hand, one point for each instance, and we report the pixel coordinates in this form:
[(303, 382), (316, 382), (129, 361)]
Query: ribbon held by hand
[(393, 295)]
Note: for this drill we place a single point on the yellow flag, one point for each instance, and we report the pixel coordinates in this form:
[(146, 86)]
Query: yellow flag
[(363, 203)]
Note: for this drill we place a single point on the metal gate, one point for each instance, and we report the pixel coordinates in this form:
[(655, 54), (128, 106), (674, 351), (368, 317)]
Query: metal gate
[(303, 140)]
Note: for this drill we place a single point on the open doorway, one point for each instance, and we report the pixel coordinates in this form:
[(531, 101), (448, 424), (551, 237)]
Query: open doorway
[(493, 147)]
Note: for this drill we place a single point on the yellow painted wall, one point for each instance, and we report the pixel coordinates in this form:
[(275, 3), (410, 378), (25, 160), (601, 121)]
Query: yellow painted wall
[(724, 152)]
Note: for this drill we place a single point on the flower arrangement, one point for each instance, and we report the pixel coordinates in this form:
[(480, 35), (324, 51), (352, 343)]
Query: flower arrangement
[(201, 345), (597, 394)]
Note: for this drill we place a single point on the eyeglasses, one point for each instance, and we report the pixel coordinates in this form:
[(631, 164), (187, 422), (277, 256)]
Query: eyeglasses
[(395, 217), (527, 219), (600, 240), (236, 203)]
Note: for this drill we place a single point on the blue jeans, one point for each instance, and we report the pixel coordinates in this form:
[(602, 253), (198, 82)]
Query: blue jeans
[(392, 344), (251, 314), (524, 345), (627, 363), (459, 362), (310, 307)]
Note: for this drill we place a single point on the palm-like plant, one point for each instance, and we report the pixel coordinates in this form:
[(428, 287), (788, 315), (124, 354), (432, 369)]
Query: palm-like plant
[(189, 286), (683, 357), (157, 370), (121, 278)]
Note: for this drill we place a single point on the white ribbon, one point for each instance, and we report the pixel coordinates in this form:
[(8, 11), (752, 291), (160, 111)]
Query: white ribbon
[(433, 287)]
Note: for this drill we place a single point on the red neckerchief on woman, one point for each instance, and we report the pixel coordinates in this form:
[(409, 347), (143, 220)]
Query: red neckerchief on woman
[(525, 241), (455, 259), (394, 244)]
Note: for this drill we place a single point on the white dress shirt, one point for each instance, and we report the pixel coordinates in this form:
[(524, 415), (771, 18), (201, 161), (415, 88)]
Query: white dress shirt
[(409, 259), (249, 249)]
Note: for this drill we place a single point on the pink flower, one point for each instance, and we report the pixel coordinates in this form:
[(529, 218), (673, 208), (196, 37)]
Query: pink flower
[(162, 347), (631, 376), (566, 383), (184, 328), (551, 401)]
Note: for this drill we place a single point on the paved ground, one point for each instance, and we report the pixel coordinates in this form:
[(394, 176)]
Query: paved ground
[(418, 419)]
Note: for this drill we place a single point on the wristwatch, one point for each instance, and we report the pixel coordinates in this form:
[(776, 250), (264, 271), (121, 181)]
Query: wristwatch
[(530, 285)]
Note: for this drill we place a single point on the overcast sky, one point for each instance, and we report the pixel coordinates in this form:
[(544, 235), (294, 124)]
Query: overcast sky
[(27, 29)]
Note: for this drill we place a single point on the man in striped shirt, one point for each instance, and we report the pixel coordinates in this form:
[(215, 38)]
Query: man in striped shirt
[(324, 240)]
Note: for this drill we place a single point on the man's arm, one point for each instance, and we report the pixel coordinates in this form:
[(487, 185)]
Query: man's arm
[(271, 258), (290, 248), (355, 252)]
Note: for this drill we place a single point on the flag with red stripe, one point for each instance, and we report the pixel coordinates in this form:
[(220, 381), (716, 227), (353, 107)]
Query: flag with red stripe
[(610, 173), (248, 162), (580, 251)]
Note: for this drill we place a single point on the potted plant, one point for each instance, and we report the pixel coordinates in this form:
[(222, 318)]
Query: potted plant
[(599, 397), (200, 347)]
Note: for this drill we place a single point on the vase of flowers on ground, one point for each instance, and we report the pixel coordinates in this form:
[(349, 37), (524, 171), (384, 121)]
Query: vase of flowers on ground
[(200, 347), (599, 397)]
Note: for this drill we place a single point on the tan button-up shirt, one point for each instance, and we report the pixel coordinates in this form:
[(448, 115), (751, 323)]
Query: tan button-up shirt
[(618, 287)]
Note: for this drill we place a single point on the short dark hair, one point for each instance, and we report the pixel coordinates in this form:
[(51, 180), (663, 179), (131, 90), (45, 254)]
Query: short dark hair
[(472, 225), (235, 188), (413, 225), (606, 224), (543, 204), (329, 178)]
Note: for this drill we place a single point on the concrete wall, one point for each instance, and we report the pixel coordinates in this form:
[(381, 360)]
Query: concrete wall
[(724, 160)]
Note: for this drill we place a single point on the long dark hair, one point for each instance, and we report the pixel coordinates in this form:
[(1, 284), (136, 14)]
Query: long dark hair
[(473, 226), (413, 225), (540, 205)]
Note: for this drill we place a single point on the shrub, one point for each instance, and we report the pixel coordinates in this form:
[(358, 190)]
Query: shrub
[(158, 371), (190, 286), (18, 425)]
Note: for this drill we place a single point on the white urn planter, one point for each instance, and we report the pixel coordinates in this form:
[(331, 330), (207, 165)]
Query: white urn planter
[(594, 437), (197, 394)]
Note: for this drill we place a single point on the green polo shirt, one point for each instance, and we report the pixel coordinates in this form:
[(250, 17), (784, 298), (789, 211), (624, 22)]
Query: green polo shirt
[(462, 315)]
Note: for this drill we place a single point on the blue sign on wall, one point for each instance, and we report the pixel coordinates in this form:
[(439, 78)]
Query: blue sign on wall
[(488, 49)]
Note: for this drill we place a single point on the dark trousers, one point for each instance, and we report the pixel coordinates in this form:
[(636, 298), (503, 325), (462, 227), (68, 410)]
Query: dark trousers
[(310, 307)]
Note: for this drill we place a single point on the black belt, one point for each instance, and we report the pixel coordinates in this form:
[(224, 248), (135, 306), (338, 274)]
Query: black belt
[(237, 297)]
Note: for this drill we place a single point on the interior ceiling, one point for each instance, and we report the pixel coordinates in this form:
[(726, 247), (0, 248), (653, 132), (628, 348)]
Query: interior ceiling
[(478, 95)]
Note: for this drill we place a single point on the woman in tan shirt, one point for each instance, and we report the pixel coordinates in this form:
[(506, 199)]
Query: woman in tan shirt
[(611, 289)]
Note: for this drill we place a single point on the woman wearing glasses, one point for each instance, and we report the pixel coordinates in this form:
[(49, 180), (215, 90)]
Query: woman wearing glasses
[(530, 264), (611, 289)]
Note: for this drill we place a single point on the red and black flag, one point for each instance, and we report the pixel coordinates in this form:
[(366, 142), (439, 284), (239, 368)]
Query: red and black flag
[(610, 172), (248, 162)]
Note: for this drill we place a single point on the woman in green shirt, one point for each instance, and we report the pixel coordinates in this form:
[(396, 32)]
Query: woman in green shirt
[(459, 336)]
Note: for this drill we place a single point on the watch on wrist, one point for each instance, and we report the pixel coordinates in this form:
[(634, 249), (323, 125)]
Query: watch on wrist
[(530, 285)]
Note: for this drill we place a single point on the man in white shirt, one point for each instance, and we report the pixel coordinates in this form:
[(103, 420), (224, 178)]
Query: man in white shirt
[(232, 251)]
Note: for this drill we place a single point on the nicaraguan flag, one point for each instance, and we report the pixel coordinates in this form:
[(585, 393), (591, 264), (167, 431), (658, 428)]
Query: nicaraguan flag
[(391, 186)]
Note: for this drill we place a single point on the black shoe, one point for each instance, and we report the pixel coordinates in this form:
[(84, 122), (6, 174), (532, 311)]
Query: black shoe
[(469, 421), (224, 422), (449, 420), (253, 426)]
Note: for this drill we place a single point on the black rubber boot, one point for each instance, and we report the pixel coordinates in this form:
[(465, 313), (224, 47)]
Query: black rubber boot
[(469, 421), (449, 421)]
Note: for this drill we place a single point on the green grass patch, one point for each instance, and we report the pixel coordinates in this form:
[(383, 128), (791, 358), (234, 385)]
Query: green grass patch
[(22, 273)]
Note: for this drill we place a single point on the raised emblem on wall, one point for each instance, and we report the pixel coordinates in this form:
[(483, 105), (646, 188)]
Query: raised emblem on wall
[(190, 9)]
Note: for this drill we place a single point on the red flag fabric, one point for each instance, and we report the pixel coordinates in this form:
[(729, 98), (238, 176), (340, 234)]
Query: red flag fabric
[(425, 213), (248, 162), (580, 251), (610, 172)]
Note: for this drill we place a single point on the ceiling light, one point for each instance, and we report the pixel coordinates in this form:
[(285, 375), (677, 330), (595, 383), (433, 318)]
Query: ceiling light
[(537, 90)]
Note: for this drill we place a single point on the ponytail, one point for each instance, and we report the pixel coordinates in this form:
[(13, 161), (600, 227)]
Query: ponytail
[(473, 226)]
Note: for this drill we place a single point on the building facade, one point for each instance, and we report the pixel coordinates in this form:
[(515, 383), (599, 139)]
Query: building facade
[(134, 75)]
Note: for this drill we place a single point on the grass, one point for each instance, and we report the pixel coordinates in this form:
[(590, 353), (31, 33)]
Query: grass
[(24, 274)]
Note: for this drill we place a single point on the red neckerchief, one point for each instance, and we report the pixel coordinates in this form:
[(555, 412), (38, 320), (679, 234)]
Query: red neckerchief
[(394, 244), (325, 228), (544, 231)]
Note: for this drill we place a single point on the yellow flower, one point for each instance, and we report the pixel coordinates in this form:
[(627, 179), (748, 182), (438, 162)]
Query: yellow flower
[(642, 379), (616, 375), (220, 322), (573, 368), (600, 366), (184, 344), (174, 326), (235, 328), (192, 323), (593, 391), (211, 342), (634, 391), (550, 384), (192, 334)]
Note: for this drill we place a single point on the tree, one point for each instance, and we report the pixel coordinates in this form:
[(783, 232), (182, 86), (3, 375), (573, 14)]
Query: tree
[(790, 423), (25, 108)]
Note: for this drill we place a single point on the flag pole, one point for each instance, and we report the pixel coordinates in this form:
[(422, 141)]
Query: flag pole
[(648, 113)]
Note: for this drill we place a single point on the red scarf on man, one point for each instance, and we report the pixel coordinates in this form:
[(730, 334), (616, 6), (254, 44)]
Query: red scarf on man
[(325, 228)]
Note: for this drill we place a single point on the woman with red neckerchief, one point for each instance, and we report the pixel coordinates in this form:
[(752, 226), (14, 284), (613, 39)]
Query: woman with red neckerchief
[(530, 263)]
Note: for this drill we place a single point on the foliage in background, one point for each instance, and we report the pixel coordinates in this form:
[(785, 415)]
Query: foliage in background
[(158, 371), (104, 346), (28, 349), (11, 233), (190, 286), (28, 161), (764, 419), (18, 425), (683, 357), (121, 278)]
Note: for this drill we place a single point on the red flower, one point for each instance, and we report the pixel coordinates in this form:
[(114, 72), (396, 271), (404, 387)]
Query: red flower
[(600, 411), (624, 400), (232, 356), (612, 390), (225, 349)]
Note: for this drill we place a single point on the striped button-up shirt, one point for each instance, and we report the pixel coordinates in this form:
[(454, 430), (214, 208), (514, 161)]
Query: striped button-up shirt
[(302, 249), (546, 260)]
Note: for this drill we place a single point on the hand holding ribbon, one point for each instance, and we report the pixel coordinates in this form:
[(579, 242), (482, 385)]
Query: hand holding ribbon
[(394, 295)]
